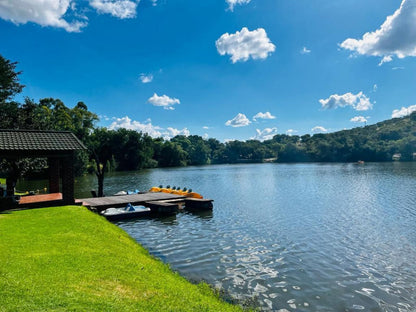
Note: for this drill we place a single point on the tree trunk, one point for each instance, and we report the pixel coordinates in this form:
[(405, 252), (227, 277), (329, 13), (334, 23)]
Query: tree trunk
[(10, 185), (100, 184), (11, 179), (100, 176)]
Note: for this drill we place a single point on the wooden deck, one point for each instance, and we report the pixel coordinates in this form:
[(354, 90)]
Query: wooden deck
[(101, 203), (34, 199)]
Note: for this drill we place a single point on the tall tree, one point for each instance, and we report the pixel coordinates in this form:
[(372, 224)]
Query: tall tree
[(9, 87), (9, 80), (101, 146), (9, 115), (172, 155)]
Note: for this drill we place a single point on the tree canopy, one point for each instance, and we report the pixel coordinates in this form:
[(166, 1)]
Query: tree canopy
[(9, 80)]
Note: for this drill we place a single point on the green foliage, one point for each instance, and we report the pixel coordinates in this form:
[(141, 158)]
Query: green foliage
[(69, 259), (9, 116), (134, 149), (9, 80), (172, 155), (197, 150), (371, 143)]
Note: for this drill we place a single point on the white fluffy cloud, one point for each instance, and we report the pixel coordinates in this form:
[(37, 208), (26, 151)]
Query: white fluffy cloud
[(118, 8), (245, 44), (147, 127), (396, 36), (171, 132), (359, 101), (305, 50), (42, 12), (319, 129), (164, 101), (238, 121), (62, 13), (358, 119), (265, 115), (404, 111), (127, 123), (266, 134), (146, 78), (232, 3), (291, 132)]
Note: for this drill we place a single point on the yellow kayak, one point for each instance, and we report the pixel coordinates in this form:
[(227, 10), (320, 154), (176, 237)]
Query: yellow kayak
[(176, 191), (155, 189), (193, 195)]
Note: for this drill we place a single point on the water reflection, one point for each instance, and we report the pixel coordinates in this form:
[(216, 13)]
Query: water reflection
[(207, 214), (158, 220)]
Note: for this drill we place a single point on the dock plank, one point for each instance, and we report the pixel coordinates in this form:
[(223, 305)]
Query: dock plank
[(101, 203)]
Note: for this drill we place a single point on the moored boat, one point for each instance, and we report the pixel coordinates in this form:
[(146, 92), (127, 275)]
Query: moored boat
[(120, 193), (127, 212)]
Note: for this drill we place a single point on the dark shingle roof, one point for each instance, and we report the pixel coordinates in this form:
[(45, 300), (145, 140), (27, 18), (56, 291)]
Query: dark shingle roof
[(32, 140)]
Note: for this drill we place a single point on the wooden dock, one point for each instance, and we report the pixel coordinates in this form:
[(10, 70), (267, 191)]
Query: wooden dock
[(159, 203), (196, 204), (101, 203)]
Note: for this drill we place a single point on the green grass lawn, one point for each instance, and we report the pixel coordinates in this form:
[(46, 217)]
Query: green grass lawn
[(70, 259)]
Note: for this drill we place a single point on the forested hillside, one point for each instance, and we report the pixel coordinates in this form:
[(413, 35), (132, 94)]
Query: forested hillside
[(378, 142)]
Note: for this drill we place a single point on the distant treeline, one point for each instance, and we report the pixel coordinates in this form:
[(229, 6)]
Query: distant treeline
[(131, 150)]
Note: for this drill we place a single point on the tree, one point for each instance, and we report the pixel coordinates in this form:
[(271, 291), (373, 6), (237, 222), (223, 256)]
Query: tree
[(101, 148), (172, 155), (217, 151), (134, 149), (82, 120), (16, 168), (9, 86), (9, 115), (28, 116), (9, 80), (199, 153)]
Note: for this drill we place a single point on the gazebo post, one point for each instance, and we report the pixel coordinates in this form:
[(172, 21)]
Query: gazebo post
[(53, 175), (68, 180)]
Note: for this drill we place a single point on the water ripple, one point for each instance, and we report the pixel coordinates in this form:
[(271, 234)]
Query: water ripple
[(305, 237)]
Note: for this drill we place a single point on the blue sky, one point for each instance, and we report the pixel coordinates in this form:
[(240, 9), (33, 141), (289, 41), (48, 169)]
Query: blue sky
[(229, 69)]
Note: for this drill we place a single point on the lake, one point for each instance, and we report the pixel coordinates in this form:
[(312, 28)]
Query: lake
[(299, 237)]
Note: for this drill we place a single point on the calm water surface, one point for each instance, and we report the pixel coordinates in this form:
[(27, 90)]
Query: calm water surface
[(302, 237)]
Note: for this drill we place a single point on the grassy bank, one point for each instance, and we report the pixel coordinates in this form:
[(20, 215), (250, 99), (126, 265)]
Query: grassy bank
[(67, 258)]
